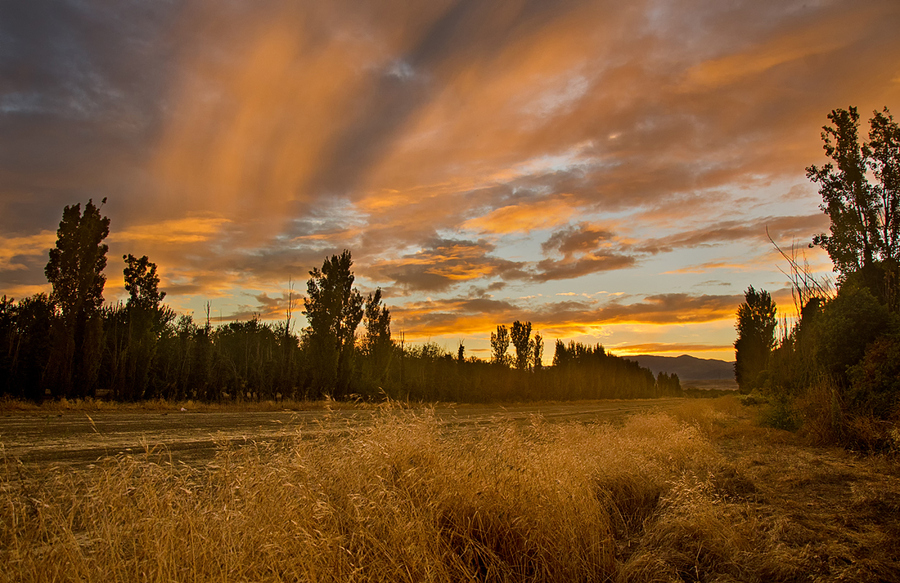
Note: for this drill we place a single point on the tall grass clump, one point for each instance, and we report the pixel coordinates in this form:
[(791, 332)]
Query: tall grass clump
[(406, 498)]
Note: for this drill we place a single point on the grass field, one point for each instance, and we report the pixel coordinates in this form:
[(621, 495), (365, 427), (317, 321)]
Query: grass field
[(697, 493)]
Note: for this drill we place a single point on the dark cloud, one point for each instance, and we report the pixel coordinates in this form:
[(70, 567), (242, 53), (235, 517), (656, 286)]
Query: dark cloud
[(466, 30), (585, 248), (671, 309), (582, 238), (594, 262), (779, 228), (444, 263), (82, 88)]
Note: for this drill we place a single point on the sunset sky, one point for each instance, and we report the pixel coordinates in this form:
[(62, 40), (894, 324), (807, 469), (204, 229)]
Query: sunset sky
[(605, 170)]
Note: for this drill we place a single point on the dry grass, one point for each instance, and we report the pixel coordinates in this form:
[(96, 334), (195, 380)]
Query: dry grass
[(89, 404), (695, 495)]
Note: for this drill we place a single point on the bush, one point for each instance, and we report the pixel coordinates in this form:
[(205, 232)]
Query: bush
[(780, 415), (875, 380), (849, 323), (753, 399)]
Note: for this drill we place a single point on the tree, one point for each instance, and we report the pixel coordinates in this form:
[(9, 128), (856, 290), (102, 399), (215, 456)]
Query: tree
[(25, 345), (520, 335), (334, 309), (499, 346), (561, 356), (377, 343), (756, 337), (537, 351), (135, 331), (884, 162), (75, 271), (865, 217), (142, 283)]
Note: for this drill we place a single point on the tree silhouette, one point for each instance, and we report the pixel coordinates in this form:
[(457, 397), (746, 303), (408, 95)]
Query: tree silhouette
[(75, 270), (25, 344), (133, 332), (865, 217), (499, 345), (377, 342), (884, 161), (142, 283), (537, 351), (756, 337), (520, 335), (334, 309)]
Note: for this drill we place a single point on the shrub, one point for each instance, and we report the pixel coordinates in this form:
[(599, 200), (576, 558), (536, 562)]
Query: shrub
[(849, 323), (875, 380)]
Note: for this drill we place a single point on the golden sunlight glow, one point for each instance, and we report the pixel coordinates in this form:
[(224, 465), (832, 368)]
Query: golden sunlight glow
[(173, 231)]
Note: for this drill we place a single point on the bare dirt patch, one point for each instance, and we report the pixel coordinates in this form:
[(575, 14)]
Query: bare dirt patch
[(50, 436), (829, 514)]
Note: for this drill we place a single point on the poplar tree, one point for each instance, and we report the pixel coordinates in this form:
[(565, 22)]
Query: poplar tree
[(537, 351), (75, 272), (500, 345), (865, 217), (520, 335), (377, 343)]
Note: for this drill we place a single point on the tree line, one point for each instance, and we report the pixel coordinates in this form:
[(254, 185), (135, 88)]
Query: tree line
[(69, 344), (836, 370)]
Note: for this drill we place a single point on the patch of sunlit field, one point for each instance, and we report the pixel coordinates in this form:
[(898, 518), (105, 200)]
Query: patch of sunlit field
[(656, 498)]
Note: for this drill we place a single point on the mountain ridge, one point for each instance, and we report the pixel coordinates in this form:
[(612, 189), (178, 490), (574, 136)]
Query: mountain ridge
[(686, 366)]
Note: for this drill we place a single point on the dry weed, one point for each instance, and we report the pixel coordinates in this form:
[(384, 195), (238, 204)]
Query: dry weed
[(407, 498)]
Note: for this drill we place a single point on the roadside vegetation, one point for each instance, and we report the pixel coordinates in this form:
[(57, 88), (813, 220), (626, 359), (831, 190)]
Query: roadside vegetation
[(698, 494), (834, 373)]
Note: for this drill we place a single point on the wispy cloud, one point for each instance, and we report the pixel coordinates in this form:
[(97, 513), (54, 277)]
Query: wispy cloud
[(13, 249)]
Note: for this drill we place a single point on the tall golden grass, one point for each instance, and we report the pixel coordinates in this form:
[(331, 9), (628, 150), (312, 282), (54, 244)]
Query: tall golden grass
[(404, 499)]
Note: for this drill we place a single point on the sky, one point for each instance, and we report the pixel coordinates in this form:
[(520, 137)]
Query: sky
[(610, 171)]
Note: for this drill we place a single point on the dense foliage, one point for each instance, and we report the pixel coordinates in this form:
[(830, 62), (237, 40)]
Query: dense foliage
[(835, 370), (69, 344)]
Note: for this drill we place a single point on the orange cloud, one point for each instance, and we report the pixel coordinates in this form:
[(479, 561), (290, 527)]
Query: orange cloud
[(29, 245), (255, 105), (524, 217), (794, 46), (172, 232), (564, 318), (26, 290)]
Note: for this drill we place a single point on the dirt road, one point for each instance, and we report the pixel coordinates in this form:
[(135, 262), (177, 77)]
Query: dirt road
[(80, 438)]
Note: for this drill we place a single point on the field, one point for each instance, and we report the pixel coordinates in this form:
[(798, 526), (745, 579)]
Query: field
[(675, 490)]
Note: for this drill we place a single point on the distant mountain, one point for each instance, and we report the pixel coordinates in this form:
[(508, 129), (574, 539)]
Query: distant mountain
[(687, 367)]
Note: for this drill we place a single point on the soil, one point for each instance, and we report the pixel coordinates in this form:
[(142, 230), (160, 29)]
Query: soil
[(79, 438), (835, 511)]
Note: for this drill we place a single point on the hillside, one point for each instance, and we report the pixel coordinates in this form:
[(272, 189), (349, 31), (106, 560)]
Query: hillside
[(687, 367)]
